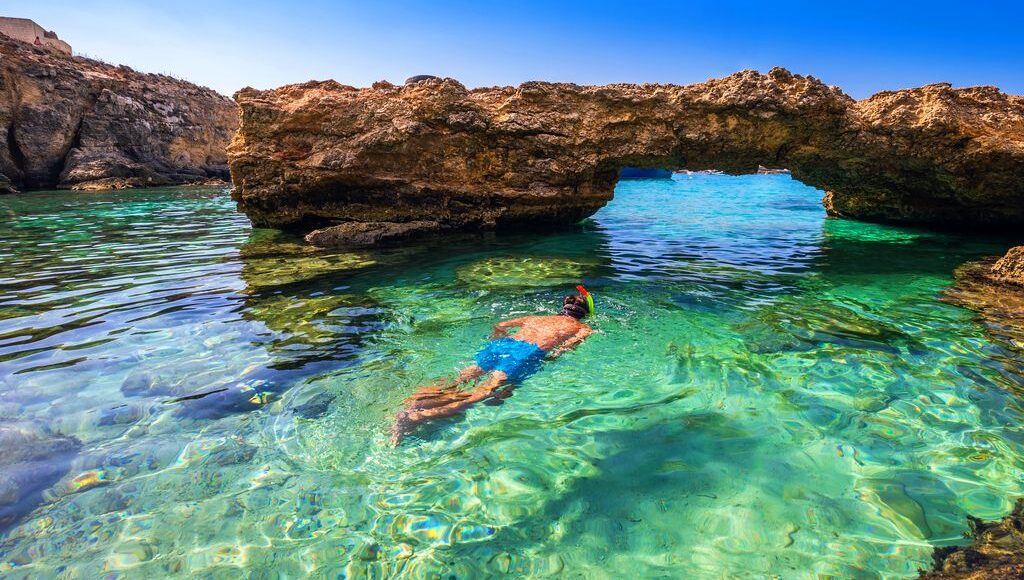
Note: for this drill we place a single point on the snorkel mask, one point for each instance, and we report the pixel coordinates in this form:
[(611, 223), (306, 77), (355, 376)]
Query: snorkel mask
[(588, 297)]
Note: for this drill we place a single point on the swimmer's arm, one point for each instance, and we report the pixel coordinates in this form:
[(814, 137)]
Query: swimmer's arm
[(571, 343), (501, 329)]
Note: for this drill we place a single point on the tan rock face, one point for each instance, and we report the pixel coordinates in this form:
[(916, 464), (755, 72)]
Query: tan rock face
[(78, 123), (321, 153), (994, 288), (1010, 268), (359, 234)]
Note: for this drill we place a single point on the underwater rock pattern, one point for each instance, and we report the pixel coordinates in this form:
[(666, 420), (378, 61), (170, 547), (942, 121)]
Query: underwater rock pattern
[(32, 460), (322, 153), (73, 122), (996, 551)]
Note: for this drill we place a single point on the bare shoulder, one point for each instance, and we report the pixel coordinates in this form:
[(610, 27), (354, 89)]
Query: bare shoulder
[(533, 319)]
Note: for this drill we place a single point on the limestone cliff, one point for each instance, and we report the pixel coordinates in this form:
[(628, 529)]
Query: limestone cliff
[(74, 122), (321, 153)]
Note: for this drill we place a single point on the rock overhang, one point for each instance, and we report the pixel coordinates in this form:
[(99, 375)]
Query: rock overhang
[(322, 153)]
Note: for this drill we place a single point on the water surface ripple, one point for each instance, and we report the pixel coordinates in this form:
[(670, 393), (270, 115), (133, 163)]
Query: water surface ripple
[(770, 393)]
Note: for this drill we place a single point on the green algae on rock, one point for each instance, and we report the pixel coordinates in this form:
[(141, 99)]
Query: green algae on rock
[(272, 258), (525, 271)]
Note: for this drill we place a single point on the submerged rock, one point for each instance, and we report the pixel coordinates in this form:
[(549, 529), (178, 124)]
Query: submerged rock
[(528, 271), (316, 407), (72, 122), (794, 327), (996, 551), (550, 153), (122, 415), (32, 460)]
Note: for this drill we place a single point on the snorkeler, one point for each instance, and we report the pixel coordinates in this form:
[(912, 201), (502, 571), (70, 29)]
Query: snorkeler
[(507, 359)]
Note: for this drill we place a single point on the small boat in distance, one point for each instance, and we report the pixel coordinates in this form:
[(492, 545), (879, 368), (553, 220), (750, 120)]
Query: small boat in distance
[(644, 173)]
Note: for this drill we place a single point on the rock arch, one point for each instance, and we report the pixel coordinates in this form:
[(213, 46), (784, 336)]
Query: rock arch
[(435, 153)]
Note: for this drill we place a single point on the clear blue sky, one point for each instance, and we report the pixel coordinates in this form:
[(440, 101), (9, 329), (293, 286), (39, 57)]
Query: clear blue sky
[(861, 46)]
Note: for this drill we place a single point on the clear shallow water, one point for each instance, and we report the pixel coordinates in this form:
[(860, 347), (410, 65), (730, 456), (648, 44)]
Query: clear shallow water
[(769, 393)]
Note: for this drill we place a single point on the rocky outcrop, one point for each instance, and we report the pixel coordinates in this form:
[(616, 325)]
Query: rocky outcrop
[(994, 288), (419, 78), (996, 551), (1010, 268), (321, 153), (360, 234), (72, 122)]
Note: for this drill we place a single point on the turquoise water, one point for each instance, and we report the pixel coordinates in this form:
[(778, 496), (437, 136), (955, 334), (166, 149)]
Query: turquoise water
[(770, 392)]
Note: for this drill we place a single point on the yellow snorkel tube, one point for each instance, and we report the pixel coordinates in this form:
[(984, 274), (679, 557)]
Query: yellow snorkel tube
[(588, 297)]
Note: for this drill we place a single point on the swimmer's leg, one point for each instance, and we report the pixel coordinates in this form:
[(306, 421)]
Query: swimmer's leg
[(460, 401), (440, 393), (469, 374)]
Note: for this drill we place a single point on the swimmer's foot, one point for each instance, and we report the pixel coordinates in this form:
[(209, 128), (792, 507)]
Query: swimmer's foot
[(499, 398), (430, 391), (398, 430)]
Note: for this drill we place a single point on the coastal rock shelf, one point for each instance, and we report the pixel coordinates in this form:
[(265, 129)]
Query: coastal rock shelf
[(73, 122), (322, 154), (994, 288)]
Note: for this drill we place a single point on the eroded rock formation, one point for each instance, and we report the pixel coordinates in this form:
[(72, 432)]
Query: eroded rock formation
[(321, 153), (72, 122), (1010, 268), (994, 288)]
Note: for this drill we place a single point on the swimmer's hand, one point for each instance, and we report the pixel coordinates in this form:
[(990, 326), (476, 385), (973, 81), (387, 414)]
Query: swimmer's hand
[(501, 329), (570, 344)]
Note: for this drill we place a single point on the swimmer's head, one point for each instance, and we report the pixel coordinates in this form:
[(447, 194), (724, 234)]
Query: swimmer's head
[(574, 306)]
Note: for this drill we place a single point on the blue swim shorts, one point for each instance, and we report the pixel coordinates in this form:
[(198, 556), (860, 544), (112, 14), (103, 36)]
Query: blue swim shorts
[(516, 358)]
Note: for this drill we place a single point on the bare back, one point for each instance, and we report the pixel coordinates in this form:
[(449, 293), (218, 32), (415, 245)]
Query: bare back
[(548, 332), (554, 335)]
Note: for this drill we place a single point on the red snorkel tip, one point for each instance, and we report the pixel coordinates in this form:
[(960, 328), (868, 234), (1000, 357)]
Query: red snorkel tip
[(586, 295)]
